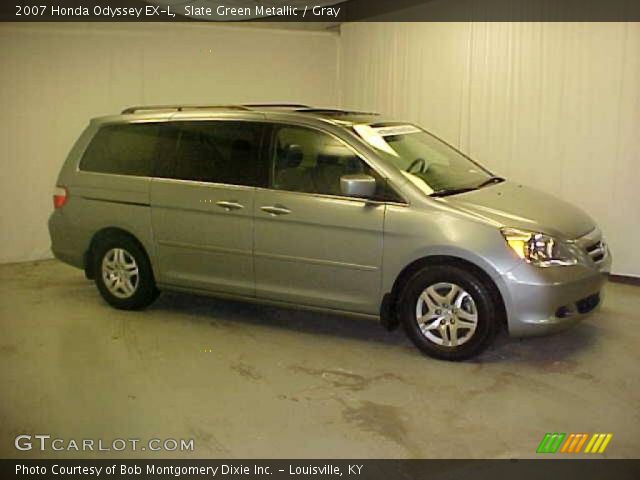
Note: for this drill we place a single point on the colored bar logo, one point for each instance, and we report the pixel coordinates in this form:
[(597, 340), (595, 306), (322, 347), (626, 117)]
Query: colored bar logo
[(573, 443)]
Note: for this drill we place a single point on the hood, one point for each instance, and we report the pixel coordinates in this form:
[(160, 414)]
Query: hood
[(514, 205)]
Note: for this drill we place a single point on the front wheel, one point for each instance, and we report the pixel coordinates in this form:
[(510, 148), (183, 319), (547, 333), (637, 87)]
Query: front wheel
[(123, 273), (448, 312)]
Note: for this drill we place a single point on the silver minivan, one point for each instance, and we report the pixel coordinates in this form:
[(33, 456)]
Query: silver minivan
[(323, 209)]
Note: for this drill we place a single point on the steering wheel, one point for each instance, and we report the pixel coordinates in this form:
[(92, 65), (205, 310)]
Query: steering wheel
[(417, 162)]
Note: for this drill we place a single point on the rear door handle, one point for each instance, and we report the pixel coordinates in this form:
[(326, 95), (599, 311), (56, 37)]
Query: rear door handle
[(228, 206), (275, 210)]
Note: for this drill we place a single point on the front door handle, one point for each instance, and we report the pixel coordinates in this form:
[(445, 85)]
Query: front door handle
[(275, 210), (228, 206)]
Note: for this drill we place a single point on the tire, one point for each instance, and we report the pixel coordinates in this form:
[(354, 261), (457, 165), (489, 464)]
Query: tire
[(117, 258), (442, 320)]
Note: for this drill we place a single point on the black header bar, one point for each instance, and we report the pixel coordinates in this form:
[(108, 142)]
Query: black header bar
[(333, 11)]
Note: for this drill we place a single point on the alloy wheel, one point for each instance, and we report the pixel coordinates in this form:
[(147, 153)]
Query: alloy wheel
[(446, 314), (120, 273)]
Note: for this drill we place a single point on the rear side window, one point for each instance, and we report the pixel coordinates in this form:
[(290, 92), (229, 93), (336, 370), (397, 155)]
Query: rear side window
[(218, 152), (126, 149)]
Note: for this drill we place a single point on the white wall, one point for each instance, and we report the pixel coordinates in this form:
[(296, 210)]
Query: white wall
[(553, 105), (55, 77)]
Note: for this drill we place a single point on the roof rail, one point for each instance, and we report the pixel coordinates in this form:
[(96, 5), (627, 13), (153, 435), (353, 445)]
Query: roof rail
[(275, 105), (179, 108), (334, 111)]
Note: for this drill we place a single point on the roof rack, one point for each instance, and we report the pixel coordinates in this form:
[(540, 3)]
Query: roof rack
[(275, 105), (334, 111), (297, 107), (180, 108)]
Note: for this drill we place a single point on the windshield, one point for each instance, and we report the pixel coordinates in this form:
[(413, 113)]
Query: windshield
[(431, 164)]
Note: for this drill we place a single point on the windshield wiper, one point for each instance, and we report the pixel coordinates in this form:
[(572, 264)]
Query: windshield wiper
[(491, 181), (451, 191)]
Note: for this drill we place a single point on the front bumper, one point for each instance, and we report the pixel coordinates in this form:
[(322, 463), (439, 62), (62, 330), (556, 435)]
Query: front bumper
[(545, 300)]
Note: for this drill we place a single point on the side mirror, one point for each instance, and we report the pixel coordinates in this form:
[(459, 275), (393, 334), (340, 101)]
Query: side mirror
[(358, 185)]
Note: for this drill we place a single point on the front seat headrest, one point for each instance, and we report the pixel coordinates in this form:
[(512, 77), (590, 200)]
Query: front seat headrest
[(292, 156)]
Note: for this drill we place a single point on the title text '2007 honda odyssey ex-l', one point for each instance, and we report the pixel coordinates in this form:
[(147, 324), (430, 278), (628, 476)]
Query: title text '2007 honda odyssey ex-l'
[(322, 209)]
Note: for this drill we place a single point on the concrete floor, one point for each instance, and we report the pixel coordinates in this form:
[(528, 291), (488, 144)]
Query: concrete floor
[(247, 381)]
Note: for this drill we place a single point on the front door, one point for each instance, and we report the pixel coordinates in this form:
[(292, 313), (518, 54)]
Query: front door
[(202, 203), (314, 246)]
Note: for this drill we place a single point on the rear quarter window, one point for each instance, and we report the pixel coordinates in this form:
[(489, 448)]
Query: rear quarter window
[(226, 152), (126, 149)]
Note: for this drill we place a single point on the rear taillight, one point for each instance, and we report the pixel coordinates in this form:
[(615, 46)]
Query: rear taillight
[(60, 196)]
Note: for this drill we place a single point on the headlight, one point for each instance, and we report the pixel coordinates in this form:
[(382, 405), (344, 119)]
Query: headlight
[(539, 249)]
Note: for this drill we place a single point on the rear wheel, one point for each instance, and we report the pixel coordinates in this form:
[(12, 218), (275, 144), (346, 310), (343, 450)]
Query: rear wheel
[(448, 312), (123, 273)]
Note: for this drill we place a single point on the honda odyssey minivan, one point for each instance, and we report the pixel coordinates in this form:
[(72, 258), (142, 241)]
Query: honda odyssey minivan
[(332, 210)]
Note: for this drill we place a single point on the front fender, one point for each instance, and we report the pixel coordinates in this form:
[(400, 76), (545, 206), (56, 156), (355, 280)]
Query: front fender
[(411, 236)]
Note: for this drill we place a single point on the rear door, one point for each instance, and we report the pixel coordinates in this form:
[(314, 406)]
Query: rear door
[(202, 200), (313, 245)]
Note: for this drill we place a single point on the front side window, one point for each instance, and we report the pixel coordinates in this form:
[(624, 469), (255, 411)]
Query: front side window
[(123, 149), (217, 152), (431, 164), (310, 161)]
